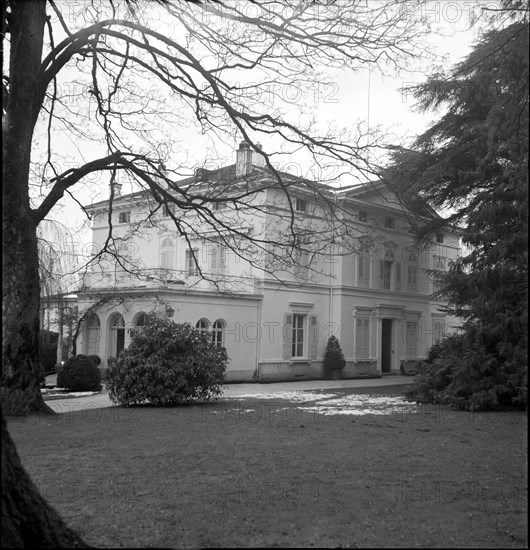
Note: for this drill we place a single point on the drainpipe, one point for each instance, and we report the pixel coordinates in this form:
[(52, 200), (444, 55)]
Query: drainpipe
[(258, 343)]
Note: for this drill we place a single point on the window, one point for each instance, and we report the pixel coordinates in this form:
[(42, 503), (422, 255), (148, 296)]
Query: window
[(124, 217), (301, 257), (218, 333), (363, 216), (140, 320), (167, 254), (116, 340), (412, 278), (364, 261), (217, 258), (298, 336), (438, 265), (412, 272), (362, 338), (411, 347), (390, 223), (192, 256), (301, 205), (202, 325), (389, 271), (439, 238), (438, 331)]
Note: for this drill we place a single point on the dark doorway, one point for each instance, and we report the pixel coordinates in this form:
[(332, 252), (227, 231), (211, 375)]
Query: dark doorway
[(386, 345)]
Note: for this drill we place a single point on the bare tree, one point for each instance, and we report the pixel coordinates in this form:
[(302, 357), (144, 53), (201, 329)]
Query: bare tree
[(140, 72), (223, 64)]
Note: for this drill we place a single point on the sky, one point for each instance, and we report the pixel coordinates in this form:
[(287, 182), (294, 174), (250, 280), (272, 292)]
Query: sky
[(366, 95)]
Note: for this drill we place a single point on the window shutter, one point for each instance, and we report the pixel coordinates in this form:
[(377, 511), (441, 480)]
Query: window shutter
[(287, 336), (398, 276), (313, 336), (381, 273), (358, 338)]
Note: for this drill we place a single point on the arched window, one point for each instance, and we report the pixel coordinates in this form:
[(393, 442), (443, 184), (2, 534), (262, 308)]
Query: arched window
[(93, 335), (203, 325), (116, 334), (140, 320), (218, 333), (167, 253)]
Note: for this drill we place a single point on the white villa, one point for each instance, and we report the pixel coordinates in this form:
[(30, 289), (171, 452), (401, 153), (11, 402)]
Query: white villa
[(374, 296)]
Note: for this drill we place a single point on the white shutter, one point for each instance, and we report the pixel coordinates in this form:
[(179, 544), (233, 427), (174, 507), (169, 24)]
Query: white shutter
[(287, 336)]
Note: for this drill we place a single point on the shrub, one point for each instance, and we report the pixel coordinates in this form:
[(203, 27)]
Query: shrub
[(79, 373), (166, 363), (461, 372), (334, 361), (96, 359)]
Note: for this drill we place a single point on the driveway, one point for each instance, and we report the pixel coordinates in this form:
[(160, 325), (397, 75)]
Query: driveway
[(101, 399)]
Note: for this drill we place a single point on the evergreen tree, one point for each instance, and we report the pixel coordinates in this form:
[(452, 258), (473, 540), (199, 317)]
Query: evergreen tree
[(473, 163), (334, 361)]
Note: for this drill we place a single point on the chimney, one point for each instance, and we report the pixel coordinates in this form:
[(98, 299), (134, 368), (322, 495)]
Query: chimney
[(201, 174), (257, 158), (243, 159), (117, 189)]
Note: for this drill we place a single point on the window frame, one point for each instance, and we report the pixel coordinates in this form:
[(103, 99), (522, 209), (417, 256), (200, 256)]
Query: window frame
[(124, 217), (390, 222), (192, 269), (218, 333), (301, 205), (298, 336)]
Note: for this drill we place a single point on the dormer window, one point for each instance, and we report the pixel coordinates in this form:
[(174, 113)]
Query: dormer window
[(439, 238), (124, 217), (363, 216), (301, 205), (390, 223)]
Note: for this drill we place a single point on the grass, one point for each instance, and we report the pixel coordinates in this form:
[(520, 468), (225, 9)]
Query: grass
[(256, 473)]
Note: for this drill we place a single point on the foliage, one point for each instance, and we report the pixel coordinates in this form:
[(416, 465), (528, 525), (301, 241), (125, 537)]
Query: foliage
[(79, 373), (167, 363), (333, 356), (465, 374), (96, 359), (473, 162)]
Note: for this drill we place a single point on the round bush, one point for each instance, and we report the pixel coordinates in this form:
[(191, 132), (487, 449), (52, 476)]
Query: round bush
[(79, 373), (166, 363)]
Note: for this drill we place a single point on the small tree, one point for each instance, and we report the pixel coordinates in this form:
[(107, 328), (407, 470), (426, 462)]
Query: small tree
[(334, 361), (166, 363)]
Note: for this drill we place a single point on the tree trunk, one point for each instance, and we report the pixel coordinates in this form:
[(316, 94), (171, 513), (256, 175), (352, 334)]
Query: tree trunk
[(28, 521), (21, 367)]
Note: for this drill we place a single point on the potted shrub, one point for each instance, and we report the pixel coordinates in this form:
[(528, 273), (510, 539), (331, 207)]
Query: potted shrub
[(334, 361)]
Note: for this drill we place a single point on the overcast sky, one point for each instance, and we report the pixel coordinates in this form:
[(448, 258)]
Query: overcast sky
[(365, 95)]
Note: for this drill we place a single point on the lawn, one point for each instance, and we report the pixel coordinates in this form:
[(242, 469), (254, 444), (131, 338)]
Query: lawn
[(260, 472)]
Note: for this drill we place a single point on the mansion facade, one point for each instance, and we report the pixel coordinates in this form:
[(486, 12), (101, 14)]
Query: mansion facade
[(371, 288)]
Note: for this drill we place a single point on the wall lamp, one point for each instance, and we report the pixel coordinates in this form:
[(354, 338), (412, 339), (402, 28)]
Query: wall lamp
[(169, 311)]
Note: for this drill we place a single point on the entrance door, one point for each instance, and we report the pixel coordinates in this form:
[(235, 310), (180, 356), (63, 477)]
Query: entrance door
[(386, 345)]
